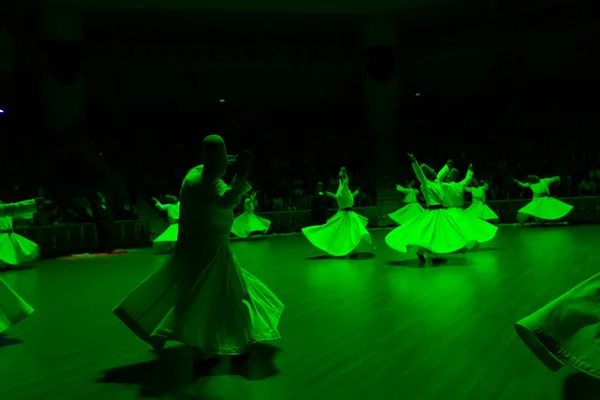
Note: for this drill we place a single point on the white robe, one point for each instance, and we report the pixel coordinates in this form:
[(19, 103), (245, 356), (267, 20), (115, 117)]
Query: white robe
[(202, 297), (13, 309), (544, 207), (14, 248), (249, 223), (166, 241), (343, 232)]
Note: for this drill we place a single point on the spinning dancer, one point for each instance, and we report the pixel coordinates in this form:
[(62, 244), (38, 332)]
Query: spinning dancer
[(542, 206), (14, 248), (343, 232), (454, 192), (565, 331), (249, 223), (437, 230), (478, 208), (412, 209), (166, 241), (202, 297), (13, 309)]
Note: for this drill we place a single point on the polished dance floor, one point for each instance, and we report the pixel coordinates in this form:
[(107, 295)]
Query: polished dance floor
[(360, 329)]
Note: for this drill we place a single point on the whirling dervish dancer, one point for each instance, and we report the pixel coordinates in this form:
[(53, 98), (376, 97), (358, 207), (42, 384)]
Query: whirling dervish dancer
[(13, 309), (438, 230), (454, 200), (166, 241), (412, 208), (542, 207), (14, 248), (478, 208), (454, 192), (565, 331), (343, 232), (249, 223), (202, 297)]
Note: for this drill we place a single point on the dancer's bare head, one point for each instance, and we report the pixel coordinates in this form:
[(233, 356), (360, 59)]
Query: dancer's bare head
[(428, 172), (319, 187), (343, 175), (452, 175), (533, 179), (214, 154)]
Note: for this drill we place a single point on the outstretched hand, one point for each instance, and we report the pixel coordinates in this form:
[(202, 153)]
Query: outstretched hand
[(470, 167), (231, 159), (412, 157), (41, 203)]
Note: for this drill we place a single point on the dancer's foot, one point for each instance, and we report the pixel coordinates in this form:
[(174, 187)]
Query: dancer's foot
[(429, 260)]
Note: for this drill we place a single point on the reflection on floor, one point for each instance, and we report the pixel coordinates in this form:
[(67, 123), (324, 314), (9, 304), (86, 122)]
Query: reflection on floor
[(370, 328)]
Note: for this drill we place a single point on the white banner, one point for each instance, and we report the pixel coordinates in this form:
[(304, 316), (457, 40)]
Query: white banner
[(5, 52)]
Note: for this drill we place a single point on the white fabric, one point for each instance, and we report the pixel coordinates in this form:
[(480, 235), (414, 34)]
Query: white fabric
[(454, 192), (166, 241), (202, 297), (13, 309), (566, 331), (406, 213), (410, 195)]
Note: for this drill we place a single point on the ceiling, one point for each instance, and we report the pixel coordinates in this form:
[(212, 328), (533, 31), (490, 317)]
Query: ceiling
[(288, 6)]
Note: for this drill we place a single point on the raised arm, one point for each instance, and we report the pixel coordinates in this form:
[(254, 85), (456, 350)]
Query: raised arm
[(417, 168), (443, 172), (159, 205), (554, 179), (402, 189), (231, 196), (330, 195), (485, 186), (523, 185), (356, 193), (465, 182), (19, 209)]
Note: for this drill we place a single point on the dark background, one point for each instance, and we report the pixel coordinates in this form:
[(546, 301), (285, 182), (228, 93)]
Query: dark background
[(509, 86)]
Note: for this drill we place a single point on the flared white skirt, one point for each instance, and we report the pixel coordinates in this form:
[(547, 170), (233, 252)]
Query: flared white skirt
[(16, 249), (341, 234), (547, 208), (483, 211), (204, 300), (406, 213), (249, 223), (13, 309), (567, 330), (441, 231), (166, 241)]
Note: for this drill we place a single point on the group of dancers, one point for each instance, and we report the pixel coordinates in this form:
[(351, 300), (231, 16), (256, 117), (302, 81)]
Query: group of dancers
[(203, 298), (246, 225)]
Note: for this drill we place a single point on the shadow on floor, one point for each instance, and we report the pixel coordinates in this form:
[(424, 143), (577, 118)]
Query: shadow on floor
[(175, 368), (353, 256), (11, 268), (580, 386), (437, 262), (6, 341)]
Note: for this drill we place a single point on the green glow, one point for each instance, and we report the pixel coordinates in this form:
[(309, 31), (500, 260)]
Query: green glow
[(222, 101)]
